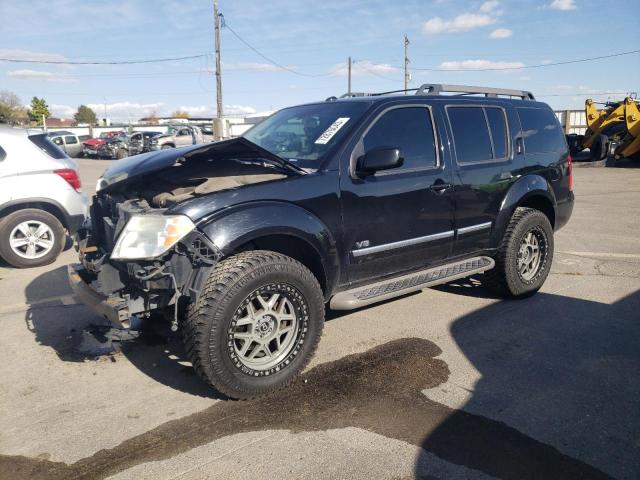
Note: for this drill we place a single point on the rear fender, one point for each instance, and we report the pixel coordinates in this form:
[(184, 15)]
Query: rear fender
[(523, 190)]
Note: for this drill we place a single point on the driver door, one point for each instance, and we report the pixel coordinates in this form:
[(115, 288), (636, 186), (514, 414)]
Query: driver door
[(183, 137), (401, 219)]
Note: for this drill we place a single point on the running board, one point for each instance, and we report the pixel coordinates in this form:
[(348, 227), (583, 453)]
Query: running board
[(394, 287)]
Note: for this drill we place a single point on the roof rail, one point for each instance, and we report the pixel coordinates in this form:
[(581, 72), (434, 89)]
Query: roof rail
[(438, 89), (349, 95)]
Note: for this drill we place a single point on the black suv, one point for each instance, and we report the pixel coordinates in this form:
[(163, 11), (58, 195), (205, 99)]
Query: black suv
[(345, 202)]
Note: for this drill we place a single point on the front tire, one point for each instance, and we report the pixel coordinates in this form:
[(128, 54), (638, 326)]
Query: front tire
[(31, 238), (256, 324), (524, 257)]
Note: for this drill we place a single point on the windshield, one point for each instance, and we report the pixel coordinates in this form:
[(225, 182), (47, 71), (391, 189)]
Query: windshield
[(305, 134)]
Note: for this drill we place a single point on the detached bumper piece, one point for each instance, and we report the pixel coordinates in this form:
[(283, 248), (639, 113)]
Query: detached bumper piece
[(114, 308)]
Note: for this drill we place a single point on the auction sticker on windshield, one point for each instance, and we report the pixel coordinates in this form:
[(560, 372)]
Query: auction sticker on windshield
[(332, 130)]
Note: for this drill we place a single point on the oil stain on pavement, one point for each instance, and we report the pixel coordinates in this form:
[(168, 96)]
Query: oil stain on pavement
[(378, 391)]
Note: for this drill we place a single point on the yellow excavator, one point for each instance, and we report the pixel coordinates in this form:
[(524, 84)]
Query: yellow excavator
[(613, 130)]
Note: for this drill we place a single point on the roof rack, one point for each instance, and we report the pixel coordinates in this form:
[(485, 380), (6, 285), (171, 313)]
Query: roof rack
[(438, 88)]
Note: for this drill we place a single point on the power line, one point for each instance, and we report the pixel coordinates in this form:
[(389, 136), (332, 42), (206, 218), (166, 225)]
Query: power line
[(373, 72), (522, 67), (119, 62), (271, 61)]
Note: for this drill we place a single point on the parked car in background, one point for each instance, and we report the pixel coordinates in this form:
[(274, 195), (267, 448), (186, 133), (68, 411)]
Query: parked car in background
[(40, 198), (146, 140), (178, 137), (121, 146), (90, 147), (67, 141)]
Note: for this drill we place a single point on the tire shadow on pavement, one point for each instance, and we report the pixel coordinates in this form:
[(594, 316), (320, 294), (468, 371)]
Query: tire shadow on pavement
[(76, 334)]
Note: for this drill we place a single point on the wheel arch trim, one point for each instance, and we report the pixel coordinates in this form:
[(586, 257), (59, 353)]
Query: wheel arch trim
[(51, 206), (237, 226), (526, 189)]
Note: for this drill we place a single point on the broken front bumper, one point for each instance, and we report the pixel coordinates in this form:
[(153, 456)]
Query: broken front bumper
[(120, 291), (112, 307)]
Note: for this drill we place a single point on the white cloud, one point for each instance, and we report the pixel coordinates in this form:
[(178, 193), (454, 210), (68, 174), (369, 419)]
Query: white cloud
[(27, 74), (480, 65), (489, 6), (464, 22), (362, 67), (14, 54), (525, 78), (238, 109), (501, 33), (258, 67), (563, 5), (195, 110), (125, 109), (63, 111)]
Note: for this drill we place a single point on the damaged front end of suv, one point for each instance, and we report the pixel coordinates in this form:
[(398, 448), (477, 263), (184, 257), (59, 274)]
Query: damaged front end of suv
[(142, 250)]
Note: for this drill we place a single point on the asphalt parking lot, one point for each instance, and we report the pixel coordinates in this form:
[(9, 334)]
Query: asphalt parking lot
[(450, 383)]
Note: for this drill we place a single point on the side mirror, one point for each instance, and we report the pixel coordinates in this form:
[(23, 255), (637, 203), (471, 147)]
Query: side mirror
[(380, 158)]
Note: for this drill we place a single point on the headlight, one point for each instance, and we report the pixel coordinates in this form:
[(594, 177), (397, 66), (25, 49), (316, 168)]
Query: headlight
[(149, 236)]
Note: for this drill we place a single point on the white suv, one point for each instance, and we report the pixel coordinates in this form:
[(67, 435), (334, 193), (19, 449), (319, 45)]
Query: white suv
[(40, 198)]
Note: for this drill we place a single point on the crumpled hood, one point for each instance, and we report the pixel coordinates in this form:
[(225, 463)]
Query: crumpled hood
[(94, 142), (138, 165)]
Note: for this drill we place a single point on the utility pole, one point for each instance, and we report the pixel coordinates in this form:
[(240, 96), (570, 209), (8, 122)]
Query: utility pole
[(406, 63), (216, 23), (349, 75)]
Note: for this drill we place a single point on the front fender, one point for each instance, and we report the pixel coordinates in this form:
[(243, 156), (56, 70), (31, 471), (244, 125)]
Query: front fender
[(523, 189), (238, 225)]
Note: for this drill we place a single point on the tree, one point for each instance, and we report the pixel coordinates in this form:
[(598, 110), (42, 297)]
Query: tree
[(11, 108), (39, 108), (180, 114), (85, 115), (153, 119)]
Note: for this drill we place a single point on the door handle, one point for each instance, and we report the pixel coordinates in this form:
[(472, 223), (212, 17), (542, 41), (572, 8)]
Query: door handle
[(439, 186)]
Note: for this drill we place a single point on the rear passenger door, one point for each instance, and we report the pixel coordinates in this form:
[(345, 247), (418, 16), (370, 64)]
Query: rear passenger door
[(481, 141), (400, 219)]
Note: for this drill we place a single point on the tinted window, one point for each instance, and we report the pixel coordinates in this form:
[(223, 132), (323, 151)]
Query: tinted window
[(470, 134), (408, 129), (541, 131), (498, 127), (3, 154), (70, 140), (44, 142)]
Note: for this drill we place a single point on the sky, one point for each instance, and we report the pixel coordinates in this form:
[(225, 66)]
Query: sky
[(307, 44)]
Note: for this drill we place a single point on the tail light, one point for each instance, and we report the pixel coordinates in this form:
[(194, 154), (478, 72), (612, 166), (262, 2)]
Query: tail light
[(570, 172), (70, 176)]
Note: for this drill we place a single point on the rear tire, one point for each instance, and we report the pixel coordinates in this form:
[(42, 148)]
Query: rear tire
[(256, 324), (523, 260), (31, 238), (599, 148)]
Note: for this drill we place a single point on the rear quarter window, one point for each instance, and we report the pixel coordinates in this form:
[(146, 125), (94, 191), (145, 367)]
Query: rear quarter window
[(43, 142), (3, 154), (541, 131)]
